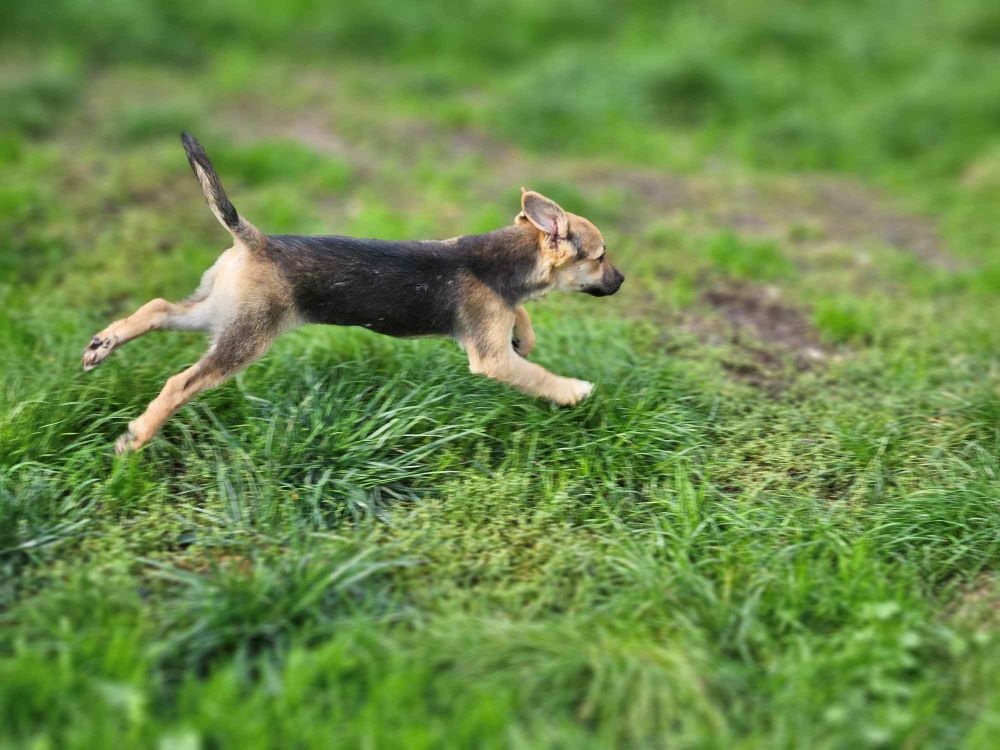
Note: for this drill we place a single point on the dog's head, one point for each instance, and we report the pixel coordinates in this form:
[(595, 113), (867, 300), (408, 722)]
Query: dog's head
[(572, 248)]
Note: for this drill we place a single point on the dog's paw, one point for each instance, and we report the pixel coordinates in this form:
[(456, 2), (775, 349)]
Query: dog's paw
[(574, 391), (582, 389), (98, 350), (127, 442)]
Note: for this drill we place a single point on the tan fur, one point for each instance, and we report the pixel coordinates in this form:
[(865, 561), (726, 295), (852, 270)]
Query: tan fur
[(178, 390), (487, 326), (241, 300), (488, 357)]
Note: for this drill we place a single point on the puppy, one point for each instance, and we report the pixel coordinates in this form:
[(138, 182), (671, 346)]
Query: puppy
[(472, 288)]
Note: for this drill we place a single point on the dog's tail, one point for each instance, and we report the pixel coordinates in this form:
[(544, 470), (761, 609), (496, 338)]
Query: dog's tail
[(244, 232)]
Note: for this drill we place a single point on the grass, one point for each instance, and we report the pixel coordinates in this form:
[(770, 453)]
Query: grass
[(776, 522)]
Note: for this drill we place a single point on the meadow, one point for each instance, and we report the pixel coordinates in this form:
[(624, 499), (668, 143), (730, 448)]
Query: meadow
[(775, 524)]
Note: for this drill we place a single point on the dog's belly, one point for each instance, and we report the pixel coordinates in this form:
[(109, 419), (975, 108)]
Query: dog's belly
[(389, 314)]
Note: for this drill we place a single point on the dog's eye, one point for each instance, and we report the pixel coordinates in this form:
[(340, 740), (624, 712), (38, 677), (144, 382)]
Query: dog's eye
[(600, 258)]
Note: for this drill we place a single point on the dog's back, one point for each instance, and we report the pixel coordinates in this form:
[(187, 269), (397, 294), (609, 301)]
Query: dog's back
[(396, 288)]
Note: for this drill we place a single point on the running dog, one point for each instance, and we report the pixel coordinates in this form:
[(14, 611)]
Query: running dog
[(472, 288)]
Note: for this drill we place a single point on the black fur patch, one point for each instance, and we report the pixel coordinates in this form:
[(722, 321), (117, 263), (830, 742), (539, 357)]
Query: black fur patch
[(403, 288)]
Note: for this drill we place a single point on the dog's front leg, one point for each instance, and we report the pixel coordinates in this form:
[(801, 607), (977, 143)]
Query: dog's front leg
[(501, 363), (524, 334)]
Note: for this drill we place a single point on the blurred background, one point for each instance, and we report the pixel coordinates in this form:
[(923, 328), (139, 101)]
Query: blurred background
[(898, 86), (720, 102), (775, 524)]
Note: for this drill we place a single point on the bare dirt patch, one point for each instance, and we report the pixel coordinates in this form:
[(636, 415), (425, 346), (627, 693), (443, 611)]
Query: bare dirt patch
[(309, 128), (771, 340), (852, 212), (661, 193), (810, 211), (802, 211), (759, 310)]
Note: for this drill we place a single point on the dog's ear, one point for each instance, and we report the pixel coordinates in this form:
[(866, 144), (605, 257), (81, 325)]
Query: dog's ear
[(547, 215)]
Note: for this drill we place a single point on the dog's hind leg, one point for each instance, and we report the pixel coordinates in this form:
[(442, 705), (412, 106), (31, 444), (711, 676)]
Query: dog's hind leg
[(191, 315), (236, 348), (196, 313)]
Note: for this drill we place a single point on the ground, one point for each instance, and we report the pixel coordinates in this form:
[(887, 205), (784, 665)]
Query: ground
[(774, 524)]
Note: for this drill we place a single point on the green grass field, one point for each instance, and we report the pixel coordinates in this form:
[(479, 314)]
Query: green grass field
[(776, 524)]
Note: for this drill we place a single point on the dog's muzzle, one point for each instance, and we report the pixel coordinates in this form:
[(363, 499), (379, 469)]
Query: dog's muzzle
[(609, 287)]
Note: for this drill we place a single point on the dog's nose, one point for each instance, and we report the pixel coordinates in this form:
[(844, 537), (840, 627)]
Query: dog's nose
[(617, 283)]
